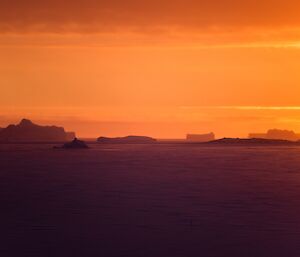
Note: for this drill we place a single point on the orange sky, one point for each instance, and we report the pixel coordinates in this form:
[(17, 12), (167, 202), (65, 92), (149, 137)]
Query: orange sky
[(160, 68)]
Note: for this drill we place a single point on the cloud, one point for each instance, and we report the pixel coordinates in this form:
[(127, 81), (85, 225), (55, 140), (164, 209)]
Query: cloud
[(98, 16), (245, 108)]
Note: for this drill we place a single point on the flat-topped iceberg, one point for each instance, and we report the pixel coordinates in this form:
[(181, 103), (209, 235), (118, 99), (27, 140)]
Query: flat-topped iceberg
[(127, 140)]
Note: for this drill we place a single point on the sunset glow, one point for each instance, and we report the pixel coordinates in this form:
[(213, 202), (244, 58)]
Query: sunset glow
[(161, 68), (150, 128)]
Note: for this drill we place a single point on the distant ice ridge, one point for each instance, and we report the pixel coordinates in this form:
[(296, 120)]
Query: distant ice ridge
[(277, 134)]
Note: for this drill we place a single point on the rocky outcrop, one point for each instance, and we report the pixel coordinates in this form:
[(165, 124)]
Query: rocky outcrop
[(27, 131), (252, 141), (75, 144), (127, 140)]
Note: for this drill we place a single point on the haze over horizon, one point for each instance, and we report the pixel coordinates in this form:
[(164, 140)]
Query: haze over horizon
[(157, 68)]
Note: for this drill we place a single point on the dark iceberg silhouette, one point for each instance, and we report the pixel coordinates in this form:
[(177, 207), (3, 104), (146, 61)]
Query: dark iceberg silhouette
[(27, 131), (127, 140), (75, 144)]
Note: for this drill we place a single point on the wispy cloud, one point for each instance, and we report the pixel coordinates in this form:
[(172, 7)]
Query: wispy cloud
[(273, 108), (209, 21)]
